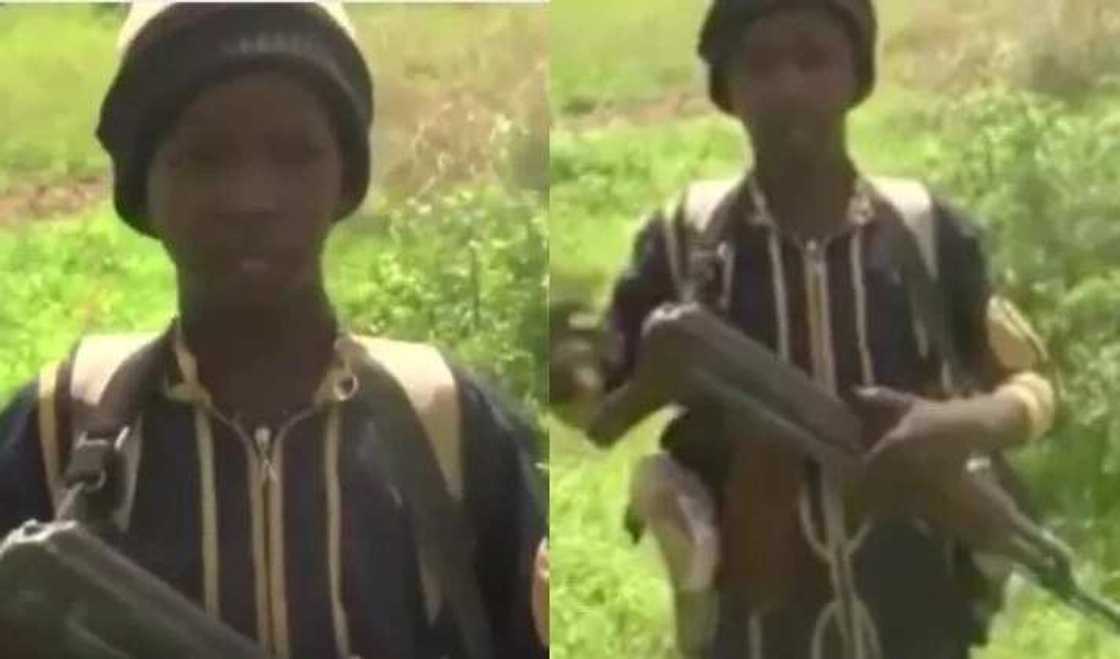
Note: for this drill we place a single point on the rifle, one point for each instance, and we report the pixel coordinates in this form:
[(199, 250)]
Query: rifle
[(689, 354), (68, 594)]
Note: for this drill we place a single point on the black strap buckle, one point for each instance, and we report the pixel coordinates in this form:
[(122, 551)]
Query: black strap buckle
[(92, 477)]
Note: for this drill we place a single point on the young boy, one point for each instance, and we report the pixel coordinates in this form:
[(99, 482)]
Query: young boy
[(255, 482), (795, 271)]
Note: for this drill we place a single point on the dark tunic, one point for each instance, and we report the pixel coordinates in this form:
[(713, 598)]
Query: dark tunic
[(274, 543)]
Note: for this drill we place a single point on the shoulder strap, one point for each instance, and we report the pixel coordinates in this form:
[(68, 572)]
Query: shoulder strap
[(912, 200), (410, 391), (701, 204), (428, 383), (110, 377), (911, 242), (693, 230), (47, 408)]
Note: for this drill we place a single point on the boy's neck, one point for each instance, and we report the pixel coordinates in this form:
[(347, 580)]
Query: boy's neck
[(808, 197), (256, 361)]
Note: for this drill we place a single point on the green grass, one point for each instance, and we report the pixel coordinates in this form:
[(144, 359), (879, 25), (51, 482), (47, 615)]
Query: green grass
[(609, 598), (52, 93), (612, 53), (55, 292)]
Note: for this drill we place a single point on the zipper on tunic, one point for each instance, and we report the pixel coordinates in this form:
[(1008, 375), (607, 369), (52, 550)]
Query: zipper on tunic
[(262, 438), (263, 445)]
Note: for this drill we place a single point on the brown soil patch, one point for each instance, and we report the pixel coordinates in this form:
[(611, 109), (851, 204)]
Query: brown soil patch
[(676, 104), (27, 202)]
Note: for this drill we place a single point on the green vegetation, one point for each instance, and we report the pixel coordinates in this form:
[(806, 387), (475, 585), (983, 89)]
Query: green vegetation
[(1032, 155), (608, 54), (52, 93)]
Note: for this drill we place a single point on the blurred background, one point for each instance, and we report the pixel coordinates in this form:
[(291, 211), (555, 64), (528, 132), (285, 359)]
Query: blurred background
[(1008, 108), (451, 246)]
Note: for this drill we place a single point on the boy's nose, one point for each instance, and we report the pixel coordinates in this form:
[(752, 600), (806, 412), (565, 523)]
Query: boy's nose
[(252, 190)]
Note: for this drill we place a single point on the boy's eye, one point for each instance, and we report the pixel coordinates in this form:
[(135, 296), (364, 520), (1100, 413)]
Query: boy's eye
[(202, 154), (214, 154), (759, 61), (812, 56), (297, 151)]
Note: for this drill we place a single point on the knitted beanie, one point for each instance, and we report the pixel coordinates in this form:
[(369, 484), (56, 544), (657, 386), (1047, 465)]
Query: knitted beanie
[(173, 51)]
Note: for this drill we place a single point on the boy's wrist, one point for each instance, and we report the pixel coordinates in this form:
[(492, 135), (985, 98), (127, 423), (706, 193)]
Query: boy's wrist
[(995, 421)]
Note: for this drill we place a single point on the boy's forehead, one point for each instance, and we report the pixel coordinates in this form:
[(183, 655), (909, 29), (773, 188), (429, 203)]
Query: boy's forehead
[(263, 100), (795, 18)]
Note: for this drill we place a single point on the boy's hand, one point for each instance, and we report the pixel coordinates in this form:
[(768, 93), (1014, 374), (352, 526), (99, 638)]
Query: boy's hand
[(916, 441), (913, 436), (540, 592)]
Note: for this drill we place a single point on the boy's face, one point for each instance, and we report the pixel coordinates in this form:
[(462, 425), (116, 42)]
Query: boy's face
[(244, 189), (791, 81)]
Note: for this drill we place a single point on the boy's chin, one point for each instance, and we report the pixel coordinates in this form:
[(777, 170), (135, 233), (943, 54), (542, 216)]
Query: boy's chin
[(253, 291), (793, 147)]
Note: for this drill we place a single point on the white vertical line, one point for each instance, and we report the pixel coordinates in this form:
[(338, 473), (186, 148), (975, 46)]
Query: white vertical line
[(334, 534), (204, 437), (755, 625), (781, 302), (866, 365)]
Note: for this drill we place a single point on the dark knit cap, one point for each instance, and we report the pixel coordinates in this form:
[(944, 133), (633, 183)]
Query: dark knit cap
[(728, 19), (173, 51)]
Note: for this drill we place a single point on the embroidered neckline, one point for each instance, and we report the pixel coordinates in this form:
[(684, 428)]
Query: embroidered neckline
[(338, 384), (861, 209)]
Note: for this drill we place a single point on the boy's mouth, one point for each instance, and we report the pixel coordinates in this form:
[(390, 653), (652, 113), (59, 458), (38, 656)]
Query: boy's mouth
[(254, 265)]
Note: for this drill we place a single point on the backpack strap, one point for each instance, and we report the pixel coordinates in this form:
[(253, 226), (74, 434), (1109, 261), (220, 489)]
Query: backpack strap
[(430, 387), (693, 230), (410, 391), (110, 377), (912, 200), (47, 413), (108, 374), (911, 244)]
